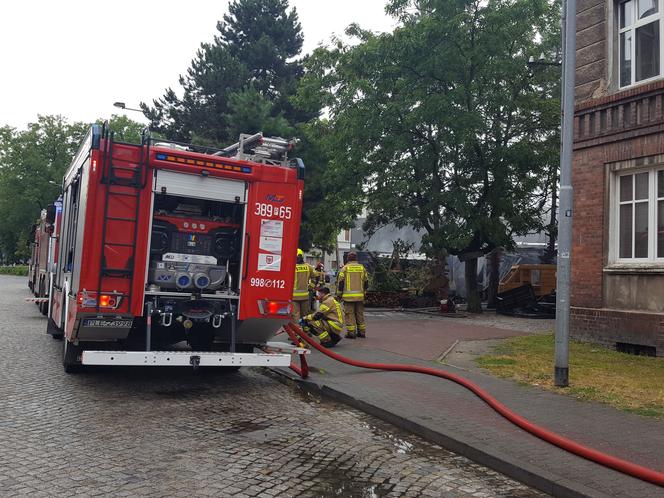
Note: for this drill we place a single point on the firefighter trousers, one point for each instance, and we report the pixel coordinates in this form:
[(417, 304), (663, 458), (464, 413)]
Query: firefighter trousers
[(354, 317), (327, 331), (300, 310)]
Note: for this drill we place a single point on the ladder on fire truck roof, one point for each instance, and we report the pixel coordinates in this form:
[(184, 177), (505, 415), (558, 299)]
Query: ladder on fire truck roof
[(124, 180), (255, 148)]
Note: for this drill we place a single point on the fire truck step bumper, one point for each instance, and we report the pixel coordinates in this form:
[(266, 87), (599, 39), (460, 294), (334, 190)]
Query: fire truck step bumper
[(185, 359)]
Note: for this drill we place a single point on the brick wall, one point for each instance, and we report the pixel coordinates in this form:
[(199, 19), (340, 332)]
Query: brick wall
[(624, 127), (608, 327), (588, 227), (591, 203), (610, 126)]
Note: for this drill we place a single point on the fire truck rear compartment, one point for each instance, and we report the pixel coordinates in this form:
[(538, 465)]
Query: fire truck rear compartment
[(194, 263), (195, 245)]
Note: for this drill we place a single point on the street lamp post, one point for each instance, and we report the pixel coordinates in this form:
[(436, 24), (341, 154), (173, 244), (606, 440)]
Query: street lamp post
[(122, 105), (561, 370), (542, 61)]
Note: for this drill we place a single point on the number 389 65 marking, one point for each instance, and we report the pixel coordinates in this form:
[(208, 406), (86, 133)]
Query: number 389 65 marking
[(263, 209), (267, 282)]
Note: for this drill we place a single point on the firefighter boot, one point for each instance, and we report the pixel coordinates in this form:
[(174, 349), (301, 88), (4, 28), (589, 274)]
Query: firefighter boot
[(334, 339)]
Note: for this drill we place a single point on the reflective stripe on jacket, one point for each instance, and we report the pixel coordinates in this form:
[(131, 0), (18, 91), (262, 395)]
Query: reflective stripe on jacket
[(302, 284), (354, 277), (332, 313)]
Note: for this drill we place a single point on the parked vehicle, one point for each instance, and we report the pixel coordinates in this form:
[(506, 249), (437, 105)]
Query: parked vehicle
[(542, 278), (163, 244), (43, 254)]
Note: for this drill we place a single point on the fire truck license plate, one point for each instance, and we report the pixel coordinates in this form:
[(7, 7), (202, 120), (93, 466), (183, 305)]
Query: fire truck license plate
[(107, 323)]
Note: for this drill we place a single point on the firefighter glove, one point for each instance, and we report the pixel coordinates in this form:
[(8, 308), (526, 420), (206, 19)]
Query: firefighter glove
[(318, 316)]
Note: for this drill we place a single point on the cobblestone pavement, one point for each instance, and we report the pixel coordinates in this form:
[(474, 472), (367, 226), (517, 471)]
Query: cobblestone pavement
[(166, 432)]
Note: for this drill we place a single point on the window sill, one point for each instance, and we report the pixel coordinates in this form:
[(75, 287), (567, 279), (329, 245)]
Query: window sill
[(655, 268), (639, 83)]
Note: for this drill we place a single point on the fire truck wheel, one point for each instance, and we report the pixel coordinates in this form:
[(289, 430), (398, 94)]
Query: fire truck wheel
[(53, 330), (70, 353), (43, 306)]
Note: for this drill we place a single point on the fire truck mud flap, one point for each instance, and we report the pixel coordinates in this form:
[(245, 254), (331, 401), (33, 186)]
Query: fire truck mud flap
[(185, 359)]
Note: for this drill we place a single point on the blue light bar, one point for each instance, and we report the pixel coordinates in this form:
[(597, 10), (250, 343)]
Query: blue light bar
[(245, 169), (161, 157)]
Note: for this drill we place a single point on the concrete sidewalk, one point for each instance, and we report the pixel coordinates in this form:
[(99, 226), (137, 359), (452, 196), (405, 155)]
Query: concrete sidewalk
[(446, 413)]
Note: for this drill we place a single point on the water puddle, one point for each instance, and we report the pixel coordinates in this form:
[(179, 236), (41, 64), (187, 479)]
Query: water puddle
[(331, 484), (397, 440)]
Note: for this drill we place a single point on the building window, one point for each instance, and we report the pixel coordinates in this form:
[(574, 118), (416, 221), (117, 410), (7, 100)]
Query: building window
[(639, 50), (640, 216)]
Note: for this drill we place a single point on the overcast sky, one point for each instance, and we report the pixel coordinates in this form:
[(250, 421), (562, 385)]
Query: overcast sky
[(76, 57)]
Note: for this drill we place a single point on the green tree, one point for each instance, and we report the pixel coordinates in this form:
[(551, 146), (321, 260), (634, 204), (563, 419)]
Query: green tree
[(440, 124), (32, 163), (326, 207), (251, 112), (240, 82), (244, 82), (126, 129)]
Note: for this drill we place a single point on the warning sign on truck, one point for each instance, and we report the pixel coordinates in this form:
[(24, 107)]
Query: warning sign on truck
[(272, 228), (270, 244), (269, 262)]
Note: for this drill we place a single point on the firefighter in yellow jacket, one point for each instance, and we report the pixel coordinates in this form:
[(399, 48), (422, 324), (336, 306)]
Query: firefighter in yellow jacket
[(303, 284), (352, 282), (328, 322)]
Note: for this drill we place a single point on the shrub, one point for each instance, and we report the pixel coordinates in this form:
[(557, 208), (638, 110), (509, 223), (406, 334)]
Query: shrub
[(20, 270)]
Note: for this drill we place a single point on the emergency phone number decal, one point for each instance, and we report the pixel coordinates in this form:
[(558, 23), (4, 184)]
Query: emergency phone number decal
[(282, 212), (267, 282)]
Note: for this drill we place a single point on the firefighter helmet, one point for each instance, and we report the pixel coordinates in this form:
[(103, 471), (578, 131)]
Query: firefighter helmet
[(300, 252)]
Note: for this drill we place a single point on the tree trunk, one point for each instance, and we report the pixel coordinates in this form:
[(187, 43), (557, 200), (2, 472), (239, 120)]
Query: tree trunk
[(494, 277), (336, 253), (472, 293), (438, 285), (550, 251)]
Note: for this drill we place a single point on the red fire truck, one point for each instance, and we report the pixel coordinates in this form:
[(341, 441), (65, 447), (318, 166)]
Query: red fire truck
[(175, 254), (43, 254)]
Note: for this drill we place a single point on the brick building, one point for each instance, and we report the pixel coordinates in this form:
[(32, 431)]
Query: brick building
[(618, 175)]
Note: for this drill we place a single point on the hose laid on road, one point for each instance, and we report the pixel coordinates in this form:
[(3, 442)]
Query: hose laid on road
[(596, 456)]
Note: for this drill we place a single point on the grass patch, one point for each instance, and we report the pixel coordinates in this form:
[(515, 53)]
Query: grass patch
[(631, 383), (20, 270)]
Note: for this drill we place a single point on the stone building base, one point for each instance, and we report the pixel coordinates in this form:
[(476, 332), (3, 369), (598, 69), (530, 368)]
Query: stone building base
[(633, 331)]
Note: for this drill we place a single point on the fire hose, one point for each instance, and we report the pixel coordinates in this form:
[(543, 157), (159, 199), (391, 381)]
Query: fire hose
[(566, 444)]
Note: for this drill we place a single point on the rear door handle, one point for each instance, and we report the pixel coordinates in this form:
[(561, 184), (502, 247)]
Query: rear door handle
[(247, 240)]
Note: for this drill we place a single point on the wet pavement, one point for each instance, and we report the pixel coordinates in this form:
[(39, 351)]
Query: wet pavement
[(450, 415), (178, 432)]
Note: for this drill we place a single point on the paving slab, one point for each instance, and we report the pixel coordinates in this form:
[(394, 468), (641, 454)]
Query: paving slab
[(448, 414)]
